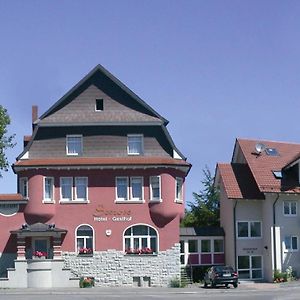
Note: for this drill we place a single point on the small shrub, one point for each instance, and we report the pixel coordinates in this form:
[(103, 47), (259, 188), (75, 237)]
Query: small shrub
[(175, 283), (85, 282)]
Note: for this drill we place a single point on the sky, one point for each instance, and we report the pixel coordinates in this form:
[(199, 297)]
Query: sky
[(216, 69)]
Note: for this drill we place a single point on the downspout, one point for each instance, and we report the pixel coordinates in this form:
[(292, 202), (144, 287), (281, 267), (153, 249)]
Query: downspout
[(274, 232), (234, 224)]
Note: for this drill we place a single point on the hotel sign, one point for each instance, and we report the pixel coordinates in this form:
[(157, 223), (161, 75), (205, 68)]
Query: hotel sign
[(103, 215)]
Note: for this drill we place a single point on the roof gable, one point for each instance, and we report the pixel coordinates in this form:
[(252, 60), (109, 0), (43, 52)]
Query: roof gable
[(120, 103)]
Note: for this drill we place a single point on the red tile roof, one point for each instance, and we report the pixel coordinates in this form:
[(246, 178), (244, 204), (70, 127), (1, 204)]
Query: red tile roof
[(239, 182), (103, 161), (261, 166), (11, 197)]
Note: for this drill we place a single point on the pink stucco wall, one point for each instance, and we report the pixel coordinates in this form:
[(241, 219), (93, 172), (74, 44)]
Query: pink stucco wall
[(164, 216)]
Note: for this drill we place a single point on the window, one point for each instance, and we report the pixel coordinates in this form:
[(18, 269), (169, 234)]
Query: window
[(155, 188), (136, 188), (81, 188), (218, 246), (99, 104), (134, 193), (8, 209), (291, 243), (66, 188), (290, 208), (272, 152), (74, 145), (249, 229), (135, 144), (179, 185), (193, 246), (85, 239), (140, 239), (23, 187), (122, 188), (205, 246), (48, 188)]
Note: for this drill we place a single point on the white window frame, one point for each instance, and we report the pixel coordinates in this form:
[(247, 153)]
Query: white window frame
[(131, 189), (291, 239), (60, 188), (86, 188), (127, 189), (249, 229), (48, 200), (130, 198), (67, 144), (250, 269), (84, 237), (149, 236), (180, 198), (290, 202), (141, 137), (23, 187), (152, 199)]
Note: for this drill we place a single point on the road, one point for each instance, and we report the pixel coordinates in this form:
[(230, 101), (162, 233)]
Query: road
[(258, 291)]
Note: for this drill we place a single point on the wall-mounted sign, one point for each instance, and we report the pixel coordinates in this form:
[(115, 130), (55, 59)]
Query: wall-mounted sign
[(103, 215)]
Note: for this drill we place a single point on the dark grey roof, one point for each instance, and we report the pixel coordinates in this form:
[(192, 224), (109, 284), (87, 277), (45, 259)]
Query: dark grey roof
[(201, 231), (39, 227)]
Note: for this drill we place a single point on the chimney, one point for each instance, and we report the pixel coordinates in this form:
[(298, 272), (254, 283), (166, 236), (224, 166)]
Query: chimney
[(34, 115)]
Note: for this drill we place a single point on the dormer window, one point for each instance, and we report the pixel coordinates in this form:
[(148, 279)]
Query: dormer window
[(99, 105), (74, 145), (135, 144)]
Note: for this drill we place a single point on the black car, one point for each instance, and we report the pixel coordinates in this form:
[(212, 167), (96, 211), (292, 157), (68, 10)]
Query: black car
[(221, 275)]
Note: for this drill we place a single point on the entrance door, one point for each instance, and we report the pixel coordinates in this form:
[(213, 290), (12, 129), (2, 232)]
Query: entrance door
[(250, 267)]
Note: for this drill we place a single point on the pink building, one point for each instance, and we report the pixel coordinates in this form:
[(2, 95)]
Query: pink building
[(101, 193)]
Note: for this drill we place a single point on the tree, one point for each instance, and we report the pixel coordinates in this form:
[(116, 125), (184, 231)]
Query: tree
[(205, 209), (6, 141)]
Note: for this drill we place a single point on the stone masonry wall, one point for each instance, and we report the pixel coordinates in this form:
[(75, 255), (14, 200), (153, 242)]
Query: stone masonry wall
[(114, 268)]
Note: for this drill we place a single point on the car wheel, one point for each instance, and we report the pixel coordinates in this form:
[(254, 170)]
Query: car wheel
[(235, 285)]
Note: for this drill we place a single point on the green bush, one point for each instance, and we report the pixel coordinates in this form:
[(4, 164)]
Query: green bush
[(86, 282), (175, 283)]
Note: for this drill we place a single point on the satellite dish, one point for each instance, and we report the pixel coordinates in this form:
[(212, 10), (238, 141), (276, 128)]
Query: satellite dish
[(259, 147)]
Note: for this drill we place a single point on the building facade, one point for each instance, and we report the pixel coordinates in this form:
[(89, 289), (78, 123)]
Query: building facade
[(100, 193), (259, 202)]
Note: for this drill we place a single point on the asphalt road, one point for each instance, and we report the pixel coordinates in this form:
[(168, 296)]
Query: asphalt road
[(288, 291)]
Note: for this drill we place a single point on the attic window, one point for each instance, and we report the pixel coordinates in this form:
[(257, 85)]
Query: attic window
[(99, 104), (272, 152), (277, 174)]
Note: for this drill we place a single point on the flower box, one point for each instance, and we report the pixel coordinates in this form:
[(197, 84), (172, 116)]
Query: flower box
[(85, 251), (86, 282), (39, 254), (141, 251)]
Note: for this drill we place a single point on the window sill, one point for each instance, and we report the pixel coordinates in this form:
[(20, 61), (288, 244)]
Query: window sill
[(85, 255), (155, 201), (129, 201), (139, 255), (74, 201), (48, 201), (178, 201)]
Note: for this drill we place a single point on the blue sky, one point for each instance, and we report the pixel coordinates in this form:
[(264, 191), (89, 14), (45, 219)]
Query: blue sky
[(215, 69)]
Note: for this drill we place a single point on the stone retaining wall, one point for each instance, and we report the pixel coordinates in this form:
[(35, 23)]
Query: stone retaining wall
[(114, 268)]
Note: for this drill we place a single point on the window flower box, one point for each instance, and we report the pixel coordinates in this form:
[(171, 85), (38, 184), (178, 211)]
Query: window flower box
[(141, 251), (85, 251), (39, 254)]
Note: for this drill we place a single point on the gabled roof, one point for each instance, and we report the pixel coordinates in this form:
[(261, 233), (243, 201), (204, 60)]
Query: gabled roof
[(238, 181), (99, 72), (263, 165)]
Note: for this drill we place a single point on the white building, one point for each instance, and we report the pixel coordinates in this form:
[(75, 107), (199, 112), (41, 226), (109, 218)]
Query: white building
[(259, 202)]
